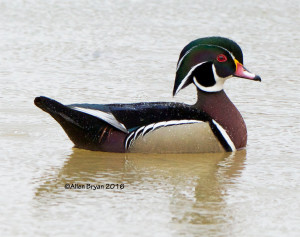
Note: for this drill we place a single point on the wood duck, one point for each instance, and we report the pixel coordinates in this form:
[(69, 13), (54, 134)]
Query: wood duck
[(213, 124)]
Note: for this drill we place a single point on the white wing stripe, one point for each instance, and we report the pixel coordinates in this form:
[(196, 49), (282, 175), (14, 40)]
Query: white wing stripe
[(107, 117)]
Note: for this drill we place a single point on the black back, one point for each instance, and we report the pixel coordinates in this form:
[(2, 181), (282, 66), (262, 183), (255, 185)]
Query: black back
[(136, 115)]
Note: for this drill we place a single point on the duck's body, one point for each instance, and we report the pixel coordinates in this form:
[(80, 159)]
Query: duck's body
[(213, 124)]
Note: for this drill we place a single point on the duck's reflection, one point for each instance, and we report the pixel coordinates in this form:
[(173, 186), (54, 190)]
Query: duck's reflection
[(195, 185)]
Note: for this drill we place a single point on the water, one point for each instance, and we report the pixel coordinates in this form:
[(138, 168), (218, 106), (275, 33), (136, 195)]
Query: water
[(126, 51)]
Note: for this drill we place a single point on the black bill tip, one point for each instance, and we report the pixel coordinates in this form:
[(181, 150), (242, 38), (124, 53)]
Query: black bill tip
[(257, 78)]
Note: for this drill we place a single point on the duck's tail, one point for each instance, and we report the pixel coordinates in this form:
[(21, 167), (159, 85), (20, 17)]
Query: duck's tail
[(84, 130)]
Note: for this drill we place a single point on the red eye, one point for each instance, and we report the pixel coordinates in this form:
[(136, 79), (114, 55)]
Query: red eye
[(222, 58)]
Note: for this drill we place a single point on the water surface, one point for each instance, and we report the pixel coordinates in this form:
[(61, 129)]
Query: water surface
[(126, 51)]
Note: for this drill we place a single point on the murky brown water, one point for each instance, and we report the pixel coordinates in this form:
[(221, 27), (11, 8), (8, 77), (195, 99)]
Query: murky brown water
[(126, 51)]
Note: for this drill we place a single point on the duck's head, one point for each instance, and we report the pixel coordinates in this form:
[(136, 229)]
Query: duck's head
[(208, 63)]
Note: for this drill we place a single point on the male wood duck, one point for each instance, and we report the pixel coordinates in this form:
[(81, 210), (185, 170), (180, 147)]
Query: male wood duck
[(213, 124)]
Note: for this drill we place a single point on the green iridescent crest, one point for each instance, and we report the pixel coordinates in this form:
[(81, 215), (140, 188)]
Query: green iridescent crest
[(225, 43), (202, 51)]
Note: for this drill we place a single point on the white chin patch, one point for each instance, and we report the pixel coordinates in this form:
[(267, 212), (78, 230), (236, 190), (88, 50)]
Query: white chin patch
[(218, 86)]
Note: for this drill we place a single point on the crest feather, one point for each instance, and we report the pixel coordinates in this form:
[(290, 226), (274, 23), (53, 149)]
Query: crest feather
[(190, 58)]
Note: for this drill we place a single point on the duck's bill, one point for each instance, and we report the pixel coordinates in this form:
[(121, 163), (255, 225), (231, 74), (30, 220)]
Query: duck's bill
[(242, 72)]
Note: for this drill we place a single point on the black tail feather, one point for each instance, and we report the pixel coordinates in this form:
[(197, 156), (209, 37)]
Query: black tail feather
[(84, 130)]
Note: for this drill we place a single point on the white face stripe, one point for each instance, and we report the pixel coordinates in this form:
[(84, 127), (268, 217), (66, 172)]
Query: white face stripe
[(187, 76), (187, 52), (107, 117), (151, 127), (216, 87), (219, 80), (225, 135)]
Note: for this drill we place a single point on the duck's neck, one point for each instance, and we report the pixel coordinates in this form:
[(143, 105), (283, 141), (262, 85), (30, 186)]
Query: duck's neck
[(223, 111)]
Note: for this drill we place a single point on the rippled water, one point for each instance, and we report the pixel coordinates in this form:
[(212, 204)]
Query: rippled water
[(126, 51)]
